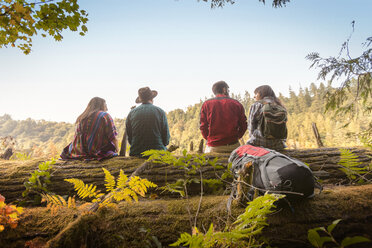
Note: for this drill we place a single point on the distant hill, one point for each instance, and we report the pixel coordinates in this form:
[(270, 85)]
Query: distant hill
[(48, 138)]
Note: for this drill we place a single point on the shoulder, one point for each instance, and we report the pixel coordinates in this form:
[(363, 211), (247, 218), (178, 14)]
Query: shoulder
[(105, 115), (222, 98), (208, 101), (256, 105), (160, 110), (151, 108)]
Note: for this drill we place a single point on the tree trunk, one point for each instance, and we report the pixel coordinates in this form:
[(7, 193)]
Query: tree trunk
[(317, 135), (7, 154), (322, 161), (167, 219)]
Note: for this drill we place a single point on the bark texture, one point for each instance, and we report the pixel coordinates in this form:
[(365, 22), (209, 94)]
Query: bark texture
[(166, 219), (322, 161)]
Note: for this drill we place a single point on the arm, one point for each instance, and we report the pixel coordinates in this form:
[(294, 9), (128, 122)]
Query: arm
[(204, 127), (111, 131), (128, 129), (116, 143), (253, 117), (165, 136), (242, 122)]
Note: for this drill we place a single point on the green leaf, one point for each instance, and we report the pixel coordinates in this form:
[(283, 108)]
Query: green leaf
[(354, 240), (333, 225), (325, 239), (314, 238), (84, 28)]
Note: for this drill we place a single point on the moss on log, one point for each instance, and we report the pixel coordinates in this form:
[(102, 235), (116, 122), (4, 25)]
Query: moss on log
[(166, 219), (322, 161)]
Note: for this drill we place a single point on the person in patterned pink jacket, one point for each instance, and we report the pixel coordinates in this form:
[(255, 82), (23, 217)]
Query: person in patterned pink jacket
[(95, 135)]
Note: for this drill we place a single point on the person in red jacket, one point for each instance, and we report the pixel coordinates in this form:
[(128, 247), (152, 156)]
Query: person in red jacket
[(222, 120)]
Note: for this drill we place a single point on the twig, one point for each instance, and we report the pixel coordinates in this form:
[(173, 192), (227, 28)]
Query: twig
[(201, 197), (188, 205), (271, 191)]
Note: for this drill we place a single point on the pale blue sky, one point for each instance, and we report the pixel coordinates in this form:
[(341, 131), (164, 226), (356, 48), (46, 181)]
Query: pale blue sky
[(179, 48)]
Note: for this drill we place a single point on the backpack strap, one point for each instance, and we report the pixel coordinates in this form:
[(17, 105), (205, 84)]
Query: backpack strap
[(318, 185)]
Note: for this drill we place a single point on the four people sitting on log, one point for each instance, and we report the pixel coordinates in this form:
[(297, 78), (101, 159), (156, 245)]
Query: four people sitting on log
[(222, 120), (222, 124), (147, 125), (95, 135)]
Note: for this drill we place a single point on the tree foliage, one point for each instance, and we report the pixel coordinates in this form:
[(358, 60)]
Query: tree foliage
[(221, 3), (21, 20), (355, 75)]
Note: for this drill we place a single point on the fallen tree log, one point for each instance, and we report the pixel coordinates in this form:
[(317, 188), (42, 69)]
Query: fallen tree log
[(134, 224), (322, 161)]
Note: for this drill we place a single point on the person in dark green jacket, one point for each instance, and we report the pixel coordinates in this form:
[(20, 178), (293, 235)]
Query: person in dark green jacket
[(147, 125)]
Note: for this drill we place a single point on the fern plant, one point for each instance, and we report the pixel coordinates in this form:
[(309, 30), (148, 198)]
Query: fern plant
[(319, 241), (190, 163), (351, 166), (55, 202), (123, 188), (243, 232)]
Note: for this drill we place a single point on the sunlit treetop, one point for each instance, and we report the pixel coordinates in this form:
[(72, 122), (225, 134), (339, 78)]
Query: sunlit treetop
[(20, 20)]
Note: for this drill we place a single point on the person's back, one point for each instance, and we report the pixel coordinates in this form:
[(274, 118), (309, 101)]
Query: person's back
[(222, 120), (146, 125), (263, 94), (95, 134)]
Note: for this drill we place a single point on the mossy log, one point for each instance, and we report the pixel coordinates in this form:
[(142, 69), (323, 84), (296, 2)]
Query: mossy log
[(322, 161), (126, 225)]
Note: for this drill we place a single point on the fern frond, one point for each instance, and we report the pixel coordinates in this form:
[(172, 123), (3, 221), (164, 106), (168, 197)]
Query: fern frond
[(126, 194), (55, 200), (110, 180), (139, 185), (71, 202), (83, 190), (351, 165), (122, 180)]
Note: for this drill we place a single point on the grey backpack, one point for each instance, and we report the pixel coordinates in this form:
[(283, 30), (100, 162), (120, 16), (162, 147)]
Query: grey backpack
[(273, 172)]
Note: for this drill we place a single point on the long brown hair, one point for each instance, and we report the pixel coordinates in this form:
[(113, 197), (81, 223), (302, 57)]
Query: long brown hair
[(267, 91), (95, 104)]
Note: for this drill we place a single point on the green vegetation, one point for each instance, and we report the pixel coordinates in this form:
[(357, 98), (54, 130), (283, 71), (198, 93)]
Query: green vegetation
[(124, 188), (353, 168), (244, 232), (355, 75), (190, 163), (319, 241), (37, 184), (20, 20)]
